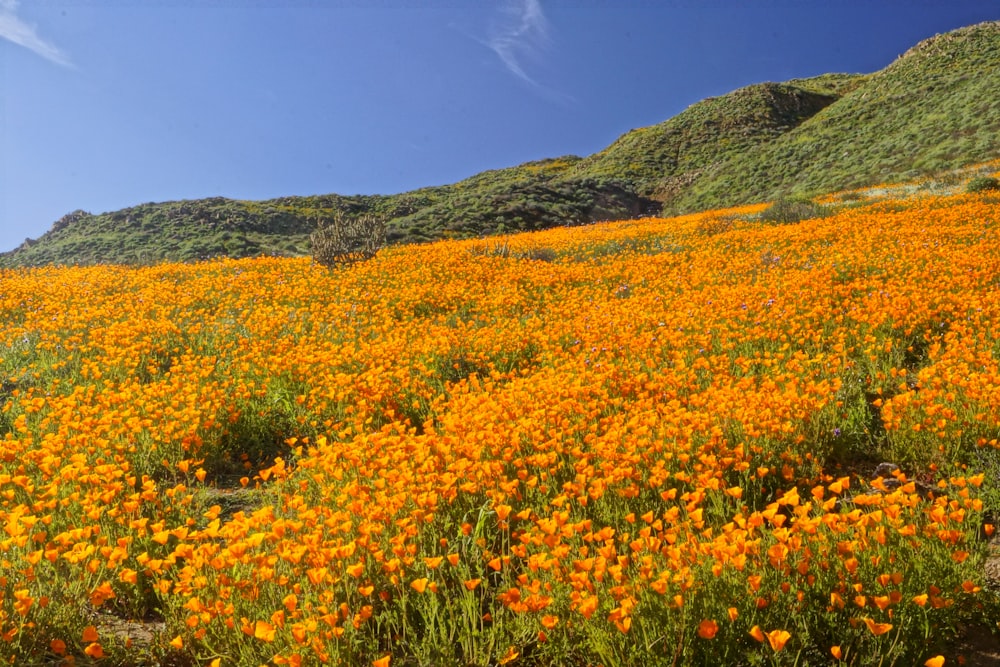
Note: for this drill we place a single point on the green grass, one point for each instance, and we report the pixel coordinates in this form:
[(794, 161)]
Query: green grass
[(932, 110)]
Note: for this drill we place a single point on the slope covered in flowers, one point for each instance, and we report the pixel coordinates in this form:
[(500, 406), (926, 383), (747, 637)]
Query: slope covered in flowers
[(647, 442)]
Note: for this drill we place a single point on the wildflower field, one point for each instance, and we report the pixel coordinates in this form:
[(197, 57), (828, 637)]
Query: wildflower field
[(649, 442)]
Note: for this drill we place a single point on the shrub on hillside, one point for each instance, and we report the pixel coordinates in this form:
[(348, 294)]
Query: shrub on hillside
[(348, 240), (785, 211), (504, 250), (982, 184)]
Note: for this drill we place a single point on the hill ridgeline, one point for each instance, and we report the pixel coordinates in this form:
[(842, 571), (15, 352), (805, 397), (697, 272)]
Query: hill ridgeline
[(932, 110)]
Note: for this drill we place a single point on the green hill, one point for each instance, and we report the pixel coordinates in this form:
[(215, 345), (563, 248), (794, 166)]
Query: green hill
[(664, 159), (530, 196), (933, 109)]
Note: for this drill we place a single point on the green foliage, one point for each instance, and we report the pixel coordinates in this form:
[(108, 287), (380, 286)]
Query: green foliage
[(982, 184), (664, 158), (504, 250), (837, 85), (787, 211), (931, 110)]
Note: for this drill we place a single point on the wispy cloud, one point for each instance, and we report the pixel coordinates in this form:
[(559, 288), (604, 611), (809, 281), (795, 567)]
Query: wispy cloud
[(520, 32), (519, 36), (13, 29)]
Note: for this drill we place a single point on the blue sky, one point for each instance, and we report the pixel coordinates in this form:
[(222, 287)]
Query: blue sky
[(106, 104)]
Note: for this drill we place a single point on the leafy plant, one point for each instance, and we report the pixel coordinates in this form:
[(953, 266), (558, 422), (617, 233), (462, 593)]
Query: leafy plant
[(787, 211), (982, 184)]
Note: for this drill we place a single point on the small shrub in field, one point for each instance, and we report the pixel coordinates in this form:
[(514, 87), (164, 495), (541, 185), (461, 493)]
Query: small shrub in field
[(713, 226), (982, 184), (503, 249), (348, 240), (787, 211), (540, 254), (498, 249)]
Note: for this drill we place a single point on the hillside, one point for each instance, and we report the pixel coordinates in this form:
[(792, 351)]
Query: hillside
[(522, 198), (663, 159), (933, 109), (702, 440)]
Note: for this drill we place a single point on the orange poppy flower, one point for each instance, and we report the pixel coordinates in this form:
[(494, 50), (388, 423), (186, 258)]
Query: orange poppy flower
[(778, 638), (707, 629), (877, 628)]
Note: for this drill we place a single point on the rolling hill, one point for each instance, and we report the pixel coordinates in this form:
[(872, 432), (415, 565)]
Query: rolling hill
[(934, 109)]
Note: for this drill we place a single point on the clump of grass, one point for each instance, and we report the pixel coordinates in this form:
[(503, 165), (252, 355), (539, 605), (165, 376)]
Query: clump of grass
[(789, 211), (982, 184), (713, 226), (506, 251)]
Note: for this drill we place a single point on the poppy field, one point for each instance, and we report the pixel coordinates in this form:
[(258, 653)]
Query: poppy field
[(652, 442)]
